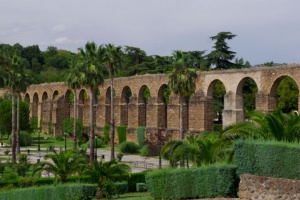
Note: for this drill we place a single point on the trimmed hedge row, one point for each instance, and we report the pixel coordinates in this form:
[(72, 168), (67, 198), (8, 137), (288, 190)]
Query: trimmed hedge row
[(66, 191), (208, 181), (132, 180), (267, 158), (140, 131), (121, 130)]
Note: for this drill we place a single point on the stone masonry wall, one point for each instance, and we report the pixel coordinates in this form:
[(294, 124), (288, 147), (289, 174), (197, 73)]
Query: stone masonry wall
[(266, 188)]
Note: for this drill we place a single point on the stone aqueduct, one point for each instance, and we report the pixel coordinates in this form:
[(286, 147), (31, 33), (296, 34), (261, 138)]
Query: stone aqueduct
[(50, 102)]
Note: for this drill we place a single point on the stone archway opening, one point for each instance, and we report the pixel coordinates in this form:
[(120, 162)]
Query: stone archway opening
[(216, 93), (162, 103), (144, 95), (284, 95), (27, 98), (125, 98), (245, 96), (82, 100)]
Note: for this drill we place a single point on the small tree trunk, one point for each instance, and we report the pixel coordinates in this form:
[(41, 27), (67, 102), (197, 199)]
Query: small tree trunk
[(75, 120), (18, 124), (13, 127), (112, 120), (92, 134)]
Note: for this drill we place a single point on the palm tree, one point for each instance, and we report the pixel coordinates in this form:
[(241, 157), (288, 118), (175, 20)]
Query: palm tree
[(182, 81), (113, 60), (61, 165), (74, 82), (102, 173), (92, 77), (12, 79), (275, 125), (200, 150)]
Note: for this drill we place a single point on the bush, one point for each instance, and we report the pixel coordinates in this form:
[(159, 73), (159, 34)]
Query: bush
[(267, 158), (25, 139), (66, 191), (202, 182), (129, 147), (140, 131), (106, 134), (59, 138), (145, 151), (121, 130), (100, 143), (121, 187)]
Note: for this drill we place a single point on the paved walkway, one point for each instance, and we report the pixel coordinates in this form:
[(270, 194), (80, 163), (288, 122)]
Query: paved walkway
[(137, 163)]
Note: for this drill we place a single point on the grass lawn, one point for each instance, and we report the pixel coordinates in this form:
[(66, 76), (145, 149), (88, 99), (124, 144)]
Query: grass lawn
[(135, 196)]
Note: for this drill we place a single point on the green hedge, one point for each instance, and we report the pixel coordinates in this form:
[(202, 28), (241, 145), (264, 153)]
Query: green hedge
[(203, 182), (25, 139), (66, 191), (106, 134), (129, 147), (140, 131), (267, 158), (121, 130), (132, 180)]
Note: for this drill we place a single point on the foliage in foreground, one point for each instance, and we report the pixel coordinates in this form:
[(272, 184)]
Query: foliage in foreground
[(267, 158), (203, 182)]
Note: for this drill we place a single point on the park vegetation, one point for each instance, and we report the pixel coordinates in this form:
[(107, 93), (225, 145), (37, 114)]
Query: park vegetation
[(21, 66)]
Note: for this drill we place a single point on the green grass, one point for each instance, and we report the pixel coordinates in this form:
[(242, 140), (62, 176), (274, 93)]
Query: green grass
[(135, 196)]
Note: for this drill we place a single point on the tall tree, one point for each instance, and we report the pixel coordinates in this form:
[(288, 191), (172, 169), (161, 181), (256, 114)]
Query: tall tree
[(74, 82), (113, 61), (12, 79), (182, 81), (221, 56), (92, 77)]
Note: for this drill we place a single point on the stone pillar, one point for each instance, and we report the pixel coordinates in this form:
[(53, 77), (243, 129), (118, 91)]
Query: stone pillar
[(39, 114), (233, 109), (173, 117), (264, 102), (132, 119)]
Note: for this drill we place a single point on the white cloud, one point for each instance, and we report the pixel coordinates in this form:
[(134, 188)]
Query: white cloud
[(61, 40), (59, 28)]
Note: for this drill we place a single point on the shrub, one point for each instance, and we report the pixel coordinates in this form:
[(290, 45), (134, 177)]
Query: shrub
[(59, 138), (25, 139), (267, 158), (145, 151), (201, 182), (106, 134), (140, 131), (121, 187), (129, 147), (100, 143), (121, 130)]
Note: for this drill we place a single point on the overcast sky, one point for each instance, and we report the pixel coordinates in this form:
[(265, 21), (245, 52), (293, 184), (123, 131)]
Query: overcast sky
[(267, 30)]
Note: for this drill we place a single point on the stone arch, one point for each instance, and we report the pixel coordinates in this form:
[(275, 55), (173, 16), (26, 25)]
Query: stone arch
[(274, 96), (27, 98), (35, 105), (45, 111), (55, 95), (82, 97), (240, 92), (142, 106), (107, 105), (217, 105), (162, 114), (125, 98)]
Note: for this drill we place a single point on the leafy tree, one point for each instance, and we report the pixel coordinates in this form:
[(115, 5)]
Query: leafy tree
[(288, 95), (218, 95), (240, 62), (113, 60), (221, 56), (182, 81), (92, 72), (103, 173), (61, 165)]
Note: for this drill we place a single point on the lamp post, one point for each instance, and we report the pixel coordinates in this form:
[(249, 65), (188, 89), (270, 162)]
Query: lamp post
[(39, 147), (65, 140), (96, 147)]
